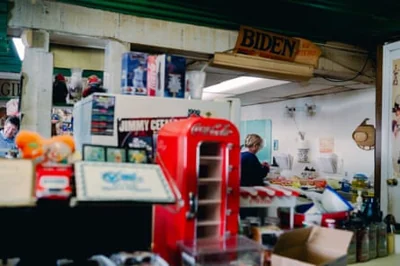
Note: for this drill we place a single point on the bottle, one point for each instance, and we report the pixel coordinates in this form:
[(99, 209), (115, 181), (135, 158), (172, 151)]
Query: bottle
[(390, 229), (362, 241), (330, 223), (382, 248), (359, 201), (373, 253), (352, 249)]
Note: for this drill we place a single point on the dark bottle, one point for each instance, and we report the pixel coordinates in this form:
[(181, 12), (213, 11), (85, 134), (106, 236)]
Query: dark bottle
[(352, 249), (362, 240), (373, 245)]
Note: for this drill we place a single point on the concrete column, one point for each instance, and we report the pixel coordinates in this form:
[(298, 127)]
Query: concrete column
[(112, 65), (37, 71)]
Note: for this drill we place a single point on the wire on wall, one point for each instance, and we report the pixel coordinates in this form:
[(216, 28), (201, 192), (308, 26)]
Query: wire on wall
[(359, 73)]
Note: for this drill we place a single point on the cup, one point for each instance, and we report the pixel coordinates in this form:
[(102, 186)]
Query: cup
[(195, 84)]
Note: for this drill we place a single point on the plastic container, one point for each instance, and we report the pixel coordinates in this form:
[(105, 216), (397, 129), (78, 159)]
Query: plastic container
[(234, 250), (300, 217)]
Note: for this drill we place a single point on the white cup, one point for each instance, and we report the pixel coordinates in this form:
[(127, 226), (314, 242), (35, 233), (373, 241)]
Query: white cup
[(195, 82)]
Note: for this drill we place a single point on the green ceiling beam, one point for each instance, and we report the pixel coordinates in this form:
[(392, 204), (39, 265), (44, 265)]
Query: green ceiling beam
[(360, 22)]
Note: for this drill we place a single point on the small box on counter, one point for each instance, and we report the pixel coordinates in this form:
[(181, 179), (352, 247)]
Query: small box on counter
[(134, 73), (168, 76), (312, 246)]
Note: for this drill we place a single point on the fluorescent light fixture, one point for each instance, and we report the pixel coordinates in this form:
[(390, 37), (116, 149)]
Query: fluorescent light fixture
[(20, 47), (242, 85)]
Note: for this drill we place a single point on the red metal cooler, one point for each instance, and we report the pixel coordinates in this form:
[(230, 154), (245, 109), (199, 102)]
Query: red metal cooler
[(201, 157)]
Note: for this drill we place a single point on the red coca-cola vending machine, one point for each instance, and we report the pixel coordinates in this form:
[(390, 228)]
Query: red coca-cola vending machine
[(201, 157)]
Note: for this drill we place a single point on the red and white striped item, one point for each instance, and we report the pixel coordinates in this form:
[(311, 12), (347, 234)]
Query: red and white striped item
[(267, 191)]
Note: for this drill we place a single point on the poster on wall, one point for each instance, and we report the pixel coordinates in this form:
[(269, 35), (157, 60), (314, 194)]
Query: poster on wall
[(396, 117), (103, 109), (141, 132), (326, 145)]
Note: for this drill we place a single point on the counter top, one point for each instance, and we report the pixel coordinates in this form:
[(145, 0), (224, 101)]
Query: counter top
[(386, 261)]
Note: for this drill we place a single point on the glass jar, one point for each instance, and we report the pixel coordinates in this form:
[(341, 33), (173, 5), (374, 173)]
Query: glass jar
[(373, 241), (362, 243), (382, 248), (352, 249)]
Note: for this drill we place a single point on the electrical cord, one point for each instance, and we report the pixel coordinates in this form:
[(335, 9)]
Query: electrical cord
[(353, 78)]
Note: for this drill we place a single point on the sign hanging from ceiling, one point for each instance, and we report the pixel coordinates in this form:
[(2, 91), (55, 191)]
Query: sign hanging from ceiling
[(266, 44), (275, 46)]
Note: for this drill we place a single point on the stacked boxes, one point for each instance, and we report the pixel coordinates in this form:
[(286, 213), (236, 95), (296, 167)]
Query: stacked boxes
[(171, 72), (153, 75), (134, 73)]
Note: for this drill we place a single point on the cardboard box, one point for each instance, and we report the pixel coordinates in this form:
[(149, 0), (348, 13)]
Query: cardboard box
[(134, 73), (152, 75), (312, 246), (171, 76)]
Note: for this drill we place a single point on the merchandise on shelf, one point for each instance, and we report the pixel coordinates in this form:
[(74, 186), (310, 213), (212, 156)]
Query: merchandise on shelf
[(94, 84), (134, 73), (54, 158), (75, 86), (61, 120), (166, 76)]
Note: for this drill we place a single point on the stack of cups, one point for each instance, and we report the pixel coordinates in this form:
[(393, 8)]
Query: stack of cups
[(195, 81)]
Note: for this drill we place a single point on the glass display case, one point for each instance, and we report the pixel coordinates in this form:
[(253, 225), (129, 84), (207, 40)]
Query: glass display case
[(234, 250)]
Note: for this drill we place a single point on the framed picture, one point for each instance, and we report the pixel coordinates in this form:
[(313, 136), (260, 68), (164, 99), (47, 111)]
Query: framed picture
[(137, 155), (116, 155), (94, 153)]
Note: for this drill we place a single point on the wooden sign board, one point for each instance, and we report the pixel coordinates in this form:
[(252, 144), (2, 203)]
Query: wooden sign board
[(17, 183), (266, 44), (274, 46), (100, 181), (308, 53), (9, 88)]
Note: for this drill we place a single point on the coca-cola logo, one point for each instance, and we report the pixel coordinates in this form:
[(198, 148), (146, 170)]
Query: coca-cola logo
[(219, 130)]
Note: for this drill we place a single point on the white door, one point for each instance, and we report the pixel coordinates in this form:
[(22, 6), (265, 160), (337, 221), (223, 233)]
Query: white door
[(390, 196)]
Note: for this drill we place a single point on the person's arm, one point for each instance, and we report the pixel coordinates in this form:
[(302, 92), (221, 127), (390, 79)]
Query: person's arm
[(260, 170)]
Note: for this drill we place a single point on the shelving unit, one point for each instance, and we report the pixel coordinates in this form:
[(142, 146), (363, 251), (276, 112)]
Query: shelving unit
[(209, 190)]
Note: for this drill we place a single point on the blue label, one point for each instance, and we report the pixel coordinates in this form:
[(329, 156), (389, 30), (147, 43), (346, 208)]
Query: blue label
[(123, 181)]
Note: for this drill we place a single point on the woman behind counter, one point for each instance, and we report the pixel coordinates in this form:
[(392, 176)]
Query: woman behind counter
[(252, 172)]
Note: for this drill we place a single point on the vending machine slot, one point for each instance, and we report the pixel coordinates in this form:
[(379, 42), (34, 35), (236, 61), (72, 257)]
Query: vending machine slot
[(210, 149), (210, 168), (209, 191), (207, 231), (209, 201)]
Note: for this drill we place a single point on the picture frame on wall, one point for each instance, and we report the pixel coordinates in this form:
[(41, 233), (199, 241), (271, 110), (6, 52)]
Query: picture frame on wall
[(94, 153), (116, 155), (137, 155)]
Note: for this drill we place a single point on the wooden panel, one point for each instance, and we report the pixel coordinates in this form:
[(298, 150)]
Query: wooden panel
[(76, 57)]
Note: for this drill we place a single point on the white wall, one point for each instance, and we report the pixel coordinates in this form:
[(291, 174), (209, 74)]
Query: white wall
[(337, 116)]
